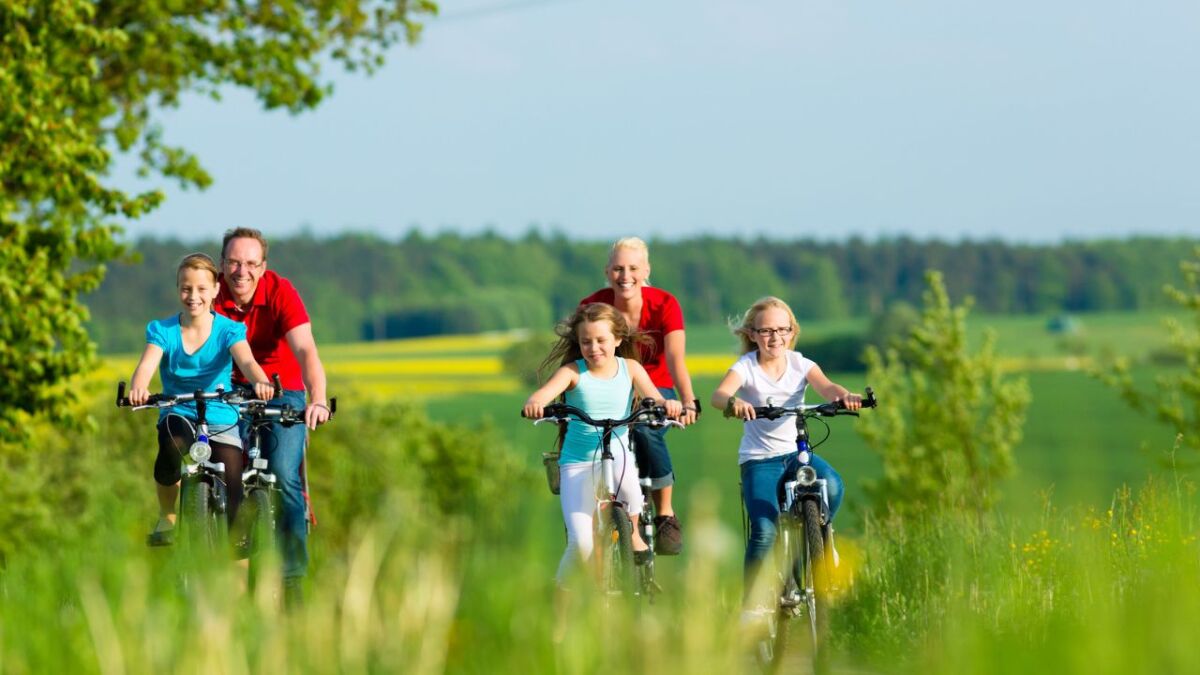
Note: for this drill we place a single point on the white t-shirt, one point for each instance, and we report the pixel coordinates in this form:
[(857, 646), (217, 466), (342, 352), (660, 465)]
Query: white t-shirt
[(770, 438)]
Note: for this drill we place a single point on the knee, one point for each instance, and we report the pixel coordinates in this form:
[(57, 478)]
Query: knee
[(762, 535), (166, 467), (834, 489)]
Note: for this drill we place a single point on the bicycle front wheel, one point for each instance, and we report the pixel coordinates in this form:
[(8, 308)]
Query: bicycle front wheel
[(816, 575), (196, 517), (262, 531), (614, 549)]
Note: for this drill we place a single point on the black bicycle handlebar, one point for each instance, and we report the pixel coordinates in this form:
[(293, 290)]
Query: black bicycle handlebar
[(560, 412), (236, 395), (830, 409)]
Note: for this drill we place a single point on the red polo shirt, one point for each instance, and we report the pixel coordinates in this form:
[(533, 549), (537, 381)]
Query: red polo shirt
[(661, 314), (275, 309)]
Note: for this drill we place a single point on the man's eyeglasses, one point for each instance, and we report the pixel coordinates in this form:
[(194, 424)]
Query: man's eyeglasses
[(242, 264), (768, 332)]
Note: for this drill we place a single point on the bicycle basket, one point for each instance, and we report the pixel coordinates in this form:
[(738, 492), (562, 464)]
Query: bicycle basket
[(550, 461)]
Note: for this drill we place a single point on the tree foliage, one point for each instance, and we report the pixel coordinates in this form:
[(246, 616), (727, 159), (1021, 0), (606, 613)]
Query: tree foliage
[(81, 81), (1176, 400), (354, 284), (947, 419)]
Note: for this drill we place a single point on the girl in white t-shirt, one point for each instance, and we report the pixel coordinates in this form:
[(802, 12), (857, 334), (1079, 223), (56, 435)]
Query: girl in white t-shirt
[(770, 370)]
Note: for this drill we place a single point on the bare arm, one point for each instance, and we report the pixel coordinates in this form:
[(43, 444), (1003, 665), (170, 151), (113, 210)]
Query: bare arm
[(566, 377), (832, 391), (725, 395), (139, 382), (646, 389), (300, 340), (244, 359), (675, 343)]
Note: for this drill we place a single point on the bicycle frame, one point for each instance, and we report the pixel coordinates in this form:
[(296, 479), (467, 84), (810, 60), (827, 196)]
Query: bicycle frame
[(607, 491)]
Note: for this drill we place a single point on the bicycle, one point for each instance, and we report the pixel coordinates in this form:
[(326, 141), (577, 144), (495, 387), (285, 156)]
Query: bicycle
[(259, 484), (613, 528), (804, 553), (203, 495)]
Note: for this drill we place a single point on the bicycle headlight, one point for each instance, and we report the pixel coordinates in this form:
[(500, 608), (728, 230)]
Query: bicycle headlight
[(200, 452), (806, 476)]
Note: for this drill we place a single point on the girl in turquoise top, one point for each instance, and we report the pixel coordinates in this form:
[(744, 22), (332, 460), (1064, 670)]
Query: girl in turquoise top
[(196, 349), (598, 374)]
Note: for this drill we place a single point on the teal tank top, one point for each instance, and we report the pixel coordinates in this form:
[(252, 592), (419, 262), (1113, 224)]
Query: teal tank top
[(602, 399)]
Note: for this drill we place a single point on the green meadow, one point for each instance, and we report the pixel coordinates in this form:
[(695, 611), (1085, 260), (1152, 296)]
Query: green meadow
[(437, 539)]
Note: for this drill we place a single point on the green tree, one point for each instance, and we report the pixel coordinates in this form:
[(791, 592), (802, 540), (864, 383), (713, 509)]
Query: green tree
[(947, 418), (1176, 401), (80, 81)]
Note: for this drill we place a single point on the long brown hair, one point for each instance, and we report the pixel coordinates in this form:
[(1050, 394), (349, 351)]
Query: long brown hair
[(566, 350)]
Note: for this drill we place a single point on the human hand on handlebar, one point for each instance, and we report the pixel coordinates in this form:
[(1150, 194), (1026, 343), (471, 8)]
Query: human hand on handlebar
[(264, 390), (739, 409), (674, 408), (533, 409), (316, 414), (850, 401), (139, 395)]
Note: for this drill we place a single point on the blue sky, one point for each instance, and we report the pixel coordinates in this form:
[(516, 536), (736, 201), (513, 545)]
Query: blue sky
[(1028, 121)]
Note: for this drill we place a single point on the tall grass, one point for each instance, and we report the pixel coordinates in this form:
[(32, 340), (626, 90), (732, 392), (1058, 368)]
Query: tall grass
[(435, 553), (1071, 590)]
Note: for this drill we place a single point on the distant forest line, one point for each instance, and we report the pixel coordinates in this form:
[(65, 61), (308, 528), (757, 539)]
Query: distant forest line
[(362, 287)]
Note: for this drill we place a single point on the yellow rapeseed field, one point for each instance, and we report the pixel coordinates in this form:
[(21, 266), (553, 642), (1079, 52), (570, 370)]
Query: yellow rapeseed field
[(463, 364)]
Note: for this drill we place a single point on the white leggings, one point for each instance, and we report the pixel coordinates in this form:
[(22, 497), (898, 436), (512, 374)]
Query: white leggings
[(579, 483)]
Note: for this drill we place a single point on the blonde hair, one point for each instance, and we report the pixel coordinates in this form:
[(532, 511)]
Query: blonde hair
[(566, 350), (744, 330), (197, 261), (631, 243)]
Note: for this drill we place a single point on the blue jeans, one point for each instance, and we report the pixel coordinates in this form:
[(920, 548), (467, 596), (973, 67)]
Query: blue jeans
[(283, 448), (650, 449), (760, 483)]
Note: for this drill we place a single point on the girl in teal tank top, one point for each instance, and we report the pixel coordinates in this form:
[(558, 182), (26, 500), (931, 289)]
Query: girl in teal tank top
[(609, 398), (598, 374)]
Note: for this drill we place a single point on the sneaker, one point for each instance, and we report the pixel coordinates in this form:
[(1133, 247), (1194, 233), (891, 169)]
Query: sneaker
[(161, 538), (669, 538), (642, 557)]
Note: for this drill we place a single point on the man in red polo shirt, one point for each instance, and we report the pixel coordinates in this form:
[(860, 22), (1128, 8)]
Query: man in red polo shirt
[(281, 339)]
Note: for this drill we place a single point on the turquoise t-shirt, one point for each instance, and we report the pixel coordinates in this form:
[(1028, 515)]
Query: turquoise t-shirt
[(601, 399), (209, 367)]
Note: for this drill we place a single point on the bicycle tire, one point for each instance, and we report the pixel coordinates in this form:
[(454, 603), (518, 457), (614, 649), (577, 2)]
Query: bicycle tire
[(817, 575), (614, 545), (262, 531), (196, 520), (780, 625)]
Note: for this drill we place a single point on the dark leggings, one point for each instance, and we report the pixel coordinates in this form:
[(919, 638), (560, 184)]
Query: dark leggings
[(175, 436)]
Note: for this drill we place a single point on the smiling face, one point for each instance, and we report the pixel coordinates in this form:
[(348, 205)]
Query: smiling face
[(244, 263), (597, 343), (197, 290), (773, 332), (627, 272)]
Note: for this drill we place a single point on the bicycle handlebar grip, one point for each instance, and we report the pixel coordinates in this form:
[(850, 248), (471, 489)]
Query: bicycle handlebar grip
[(121, 400), (870, 401), (332, 406), (278, 385)]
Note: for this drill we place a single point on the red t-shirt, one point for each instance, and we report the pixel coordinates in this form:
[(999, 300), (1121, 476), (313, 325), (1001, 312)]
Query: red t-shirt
[(661, 314), (275, 309)]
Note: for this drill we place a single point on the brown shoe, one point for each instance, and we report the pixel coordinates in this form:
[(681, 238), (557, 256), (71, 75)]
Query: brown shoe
[(668, 538)]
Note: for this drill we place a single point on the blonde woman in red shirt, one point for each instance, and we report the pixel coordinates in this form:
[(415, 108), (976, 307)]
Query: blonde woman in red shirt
[(657, 314)]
